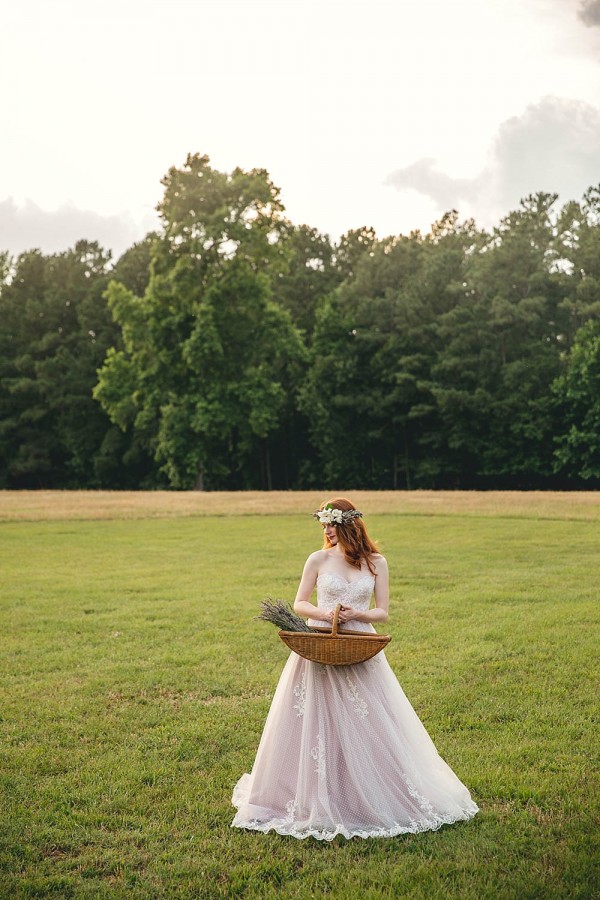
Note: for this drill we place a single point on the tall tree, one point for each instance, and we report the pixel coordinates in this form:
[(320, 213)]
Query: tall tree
[(500, 352), (578, 396), (374, 346), (351, 248), (578, 231), (54, 332), (310, 275), (207, 366), (132, 269)]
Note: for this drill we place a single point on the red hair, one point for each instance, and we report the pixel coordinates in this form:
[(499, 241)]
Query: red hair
[(352, 537)]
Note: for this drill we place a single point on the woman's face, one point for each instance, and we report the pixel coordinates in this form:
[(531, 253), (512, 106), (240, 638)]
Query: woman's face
[(330, 531)]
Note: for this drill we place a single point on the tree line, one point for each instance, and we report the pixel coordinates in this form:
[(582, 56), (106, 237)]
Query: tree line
[(235, 350)]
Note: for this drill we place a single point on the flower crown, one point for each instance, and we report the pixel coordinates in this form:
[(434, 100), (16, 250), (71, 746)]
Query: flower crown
[(330, 516)]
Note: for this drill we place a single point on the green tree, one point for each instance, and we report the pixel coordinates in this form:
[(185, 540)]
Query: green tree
[(374, 346), (310, 275), (54, 332), (500, 350), (207, 371), (427, 285), (578, 230), (132, 269), (577, 392), (351, 248)]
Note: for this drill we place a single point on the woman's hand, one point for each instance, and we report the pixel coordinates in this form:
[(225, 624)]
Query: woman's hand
[(371, 616), (348, 614), (327, 615)]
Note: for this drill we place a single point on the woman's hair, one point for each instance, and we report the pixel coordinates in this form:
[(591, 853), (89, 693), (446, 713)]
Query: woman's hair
[(352, 536)]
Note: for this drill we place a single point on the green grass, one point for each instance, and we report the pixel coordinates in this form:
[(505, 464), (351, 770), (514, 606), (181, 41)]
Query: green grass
[(136, 682)]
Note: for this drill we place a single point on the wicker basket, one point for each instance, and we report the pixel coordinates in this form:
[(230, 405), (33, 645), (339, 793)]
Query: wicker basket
[(335, 648)]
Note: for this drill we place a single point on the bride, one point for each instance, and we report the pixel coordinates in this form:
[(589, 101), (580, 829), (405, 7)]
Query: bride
[(343, 751)]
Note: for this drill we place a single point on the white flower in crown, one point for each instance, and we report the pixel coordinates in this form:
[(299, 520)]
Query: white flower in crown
[(331, 516)]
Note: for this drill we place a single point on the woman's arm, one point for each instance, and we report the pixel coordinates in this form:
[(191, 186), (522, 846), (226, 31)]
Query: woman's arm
[(379, 613), (302, 604)]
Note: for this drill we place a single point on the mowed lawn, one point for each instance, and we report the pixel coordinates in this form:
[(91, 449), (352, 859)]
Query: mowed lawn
[(135, 684)]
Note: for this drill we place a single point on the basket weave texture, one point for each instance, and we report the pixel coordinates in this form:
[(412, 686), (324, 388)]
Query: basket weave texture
[(335, 648)]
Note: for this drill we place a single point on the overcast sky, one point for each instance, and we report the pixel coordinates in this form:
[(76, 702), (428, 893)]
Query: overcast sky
[(384, 114)]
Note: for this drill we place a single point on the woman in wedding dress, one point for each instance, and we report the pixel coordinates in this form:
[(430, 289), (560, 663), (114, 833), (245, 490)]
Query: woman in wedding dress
[(343, 751)]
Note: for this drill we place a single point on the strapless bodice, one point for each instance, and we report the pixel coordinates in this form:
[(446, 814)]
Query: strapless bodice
[(333, 589)]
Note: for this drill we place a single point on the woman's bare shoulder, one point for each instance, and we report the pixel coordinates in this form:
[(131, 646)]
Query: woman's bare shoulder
[(380, 562), (317, 557), (318, 554)]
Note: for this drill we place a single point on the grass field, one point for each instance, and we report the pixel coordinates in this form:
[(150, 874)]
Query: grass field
[(135, 684)]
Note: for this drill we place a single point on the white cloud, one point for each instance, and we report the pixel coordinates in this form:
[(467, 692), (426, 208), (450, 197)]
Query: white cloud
[(27, 227), (554, 146), (589, 12)]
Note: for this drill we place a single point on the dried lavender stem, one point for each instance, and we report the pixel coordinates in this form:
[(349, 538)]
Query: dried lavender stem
[(281, 614)]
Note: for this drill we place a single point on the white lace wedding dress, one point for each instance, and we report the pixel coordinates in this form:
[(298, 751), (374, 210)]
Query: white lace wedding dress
[(343, 751)]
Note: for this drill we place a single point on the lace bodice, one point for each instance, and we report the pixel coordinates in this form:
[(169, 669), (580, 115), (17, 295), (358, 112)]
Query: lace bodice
[(333, 589)]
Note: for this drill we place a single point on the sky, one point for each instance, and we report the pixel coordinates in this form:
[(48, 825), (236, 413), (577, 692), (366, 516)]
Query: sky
[(384, 114)]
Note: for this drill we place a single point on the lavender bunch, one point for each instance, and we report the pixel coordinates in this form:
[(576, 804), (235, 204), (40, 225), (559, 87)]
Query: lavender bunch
[(281, 614)]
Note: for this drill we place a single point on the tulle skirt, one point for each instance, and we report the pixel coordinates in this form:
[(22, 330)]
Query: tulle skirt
[(343, 752)]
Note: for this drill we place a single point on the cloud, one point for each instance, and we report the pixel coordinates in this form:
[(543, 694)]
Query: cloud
[(28, 227), (589, 12), (554, 146), (423, 177)]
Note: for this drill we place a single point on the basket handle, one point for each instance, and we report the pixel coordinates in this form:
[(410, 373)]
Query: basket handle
[(336, 615)]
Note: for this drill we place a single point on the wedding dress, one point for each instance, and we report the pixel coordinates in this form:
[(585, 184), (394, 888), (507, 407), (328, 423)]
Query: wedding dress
[(343, 751)]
